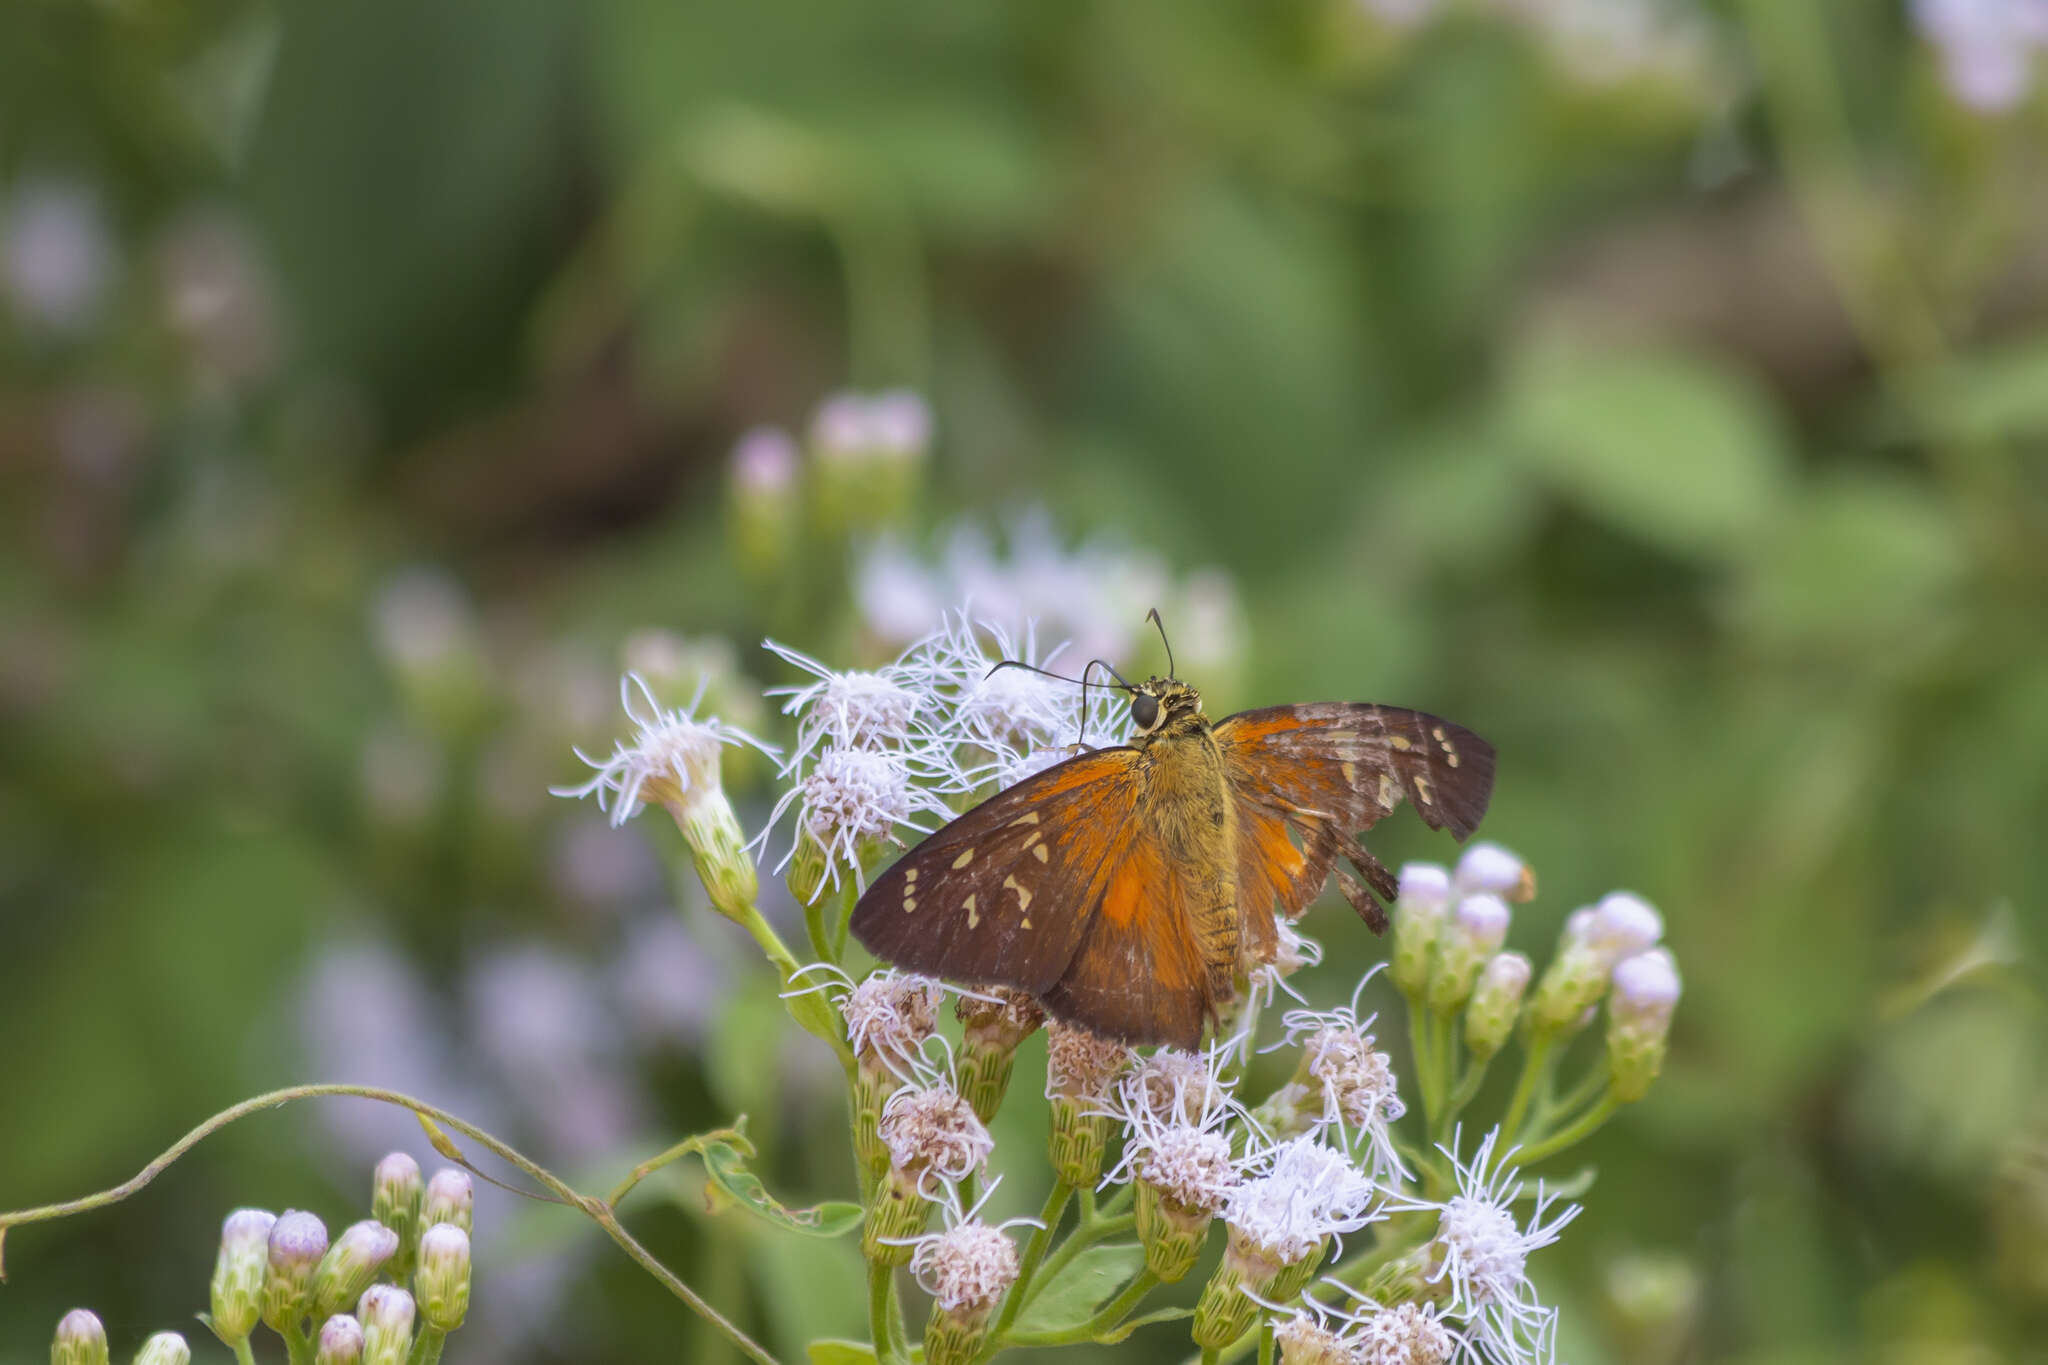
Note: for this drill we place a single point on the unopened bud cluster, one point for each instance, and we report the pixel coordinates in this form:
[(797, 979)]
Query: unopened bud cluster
[(335, 1301)]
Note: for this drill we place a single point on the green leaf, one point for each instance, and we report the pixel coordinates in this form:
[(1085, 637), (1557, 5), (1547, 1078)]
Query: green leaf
[(1997, 391), (1070, 1298), (729, 1173), (1662, 445), (840, 1353)]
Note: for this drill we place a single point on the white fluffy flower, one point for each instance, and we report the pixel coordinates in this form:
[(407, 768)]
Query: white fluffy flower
[(850, 797), (1357, 1083), (967, 1265), (673, 756), (1307, 1192), (1483, 1253), (891, 1014), (1176, 1110), (854, 709), (931, 1131)]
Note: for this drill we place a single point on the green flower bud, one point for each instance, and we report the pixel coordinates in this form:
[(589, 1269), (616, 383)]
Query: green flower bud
[(764, 501), (386, 1312), (1229, 1303), (899, 1213), (443, 1278), (450, 1199), (1496, 1002), (350, 1264), (340, 1342), (1419, 910), (1474, 932), (1081, 1070), (1646, 990), (1571, 985), (808, 869), (165, 1348), (395, 1194), (1171, 1232), (80, 1339), (297, 1242), (239, 1271), (988, 1051), (718, 848)]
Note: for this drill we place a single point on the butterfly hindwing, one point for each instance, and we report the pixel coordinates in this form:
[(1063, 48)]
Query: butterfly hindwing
[(1003, 894), (1138, 974), (1307, 778)]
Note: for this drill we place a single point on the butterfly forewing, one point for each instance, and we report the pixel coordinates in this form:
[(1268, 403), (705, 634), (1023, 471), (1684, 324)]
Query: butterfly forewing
[(1003, 895), (1307, 778)]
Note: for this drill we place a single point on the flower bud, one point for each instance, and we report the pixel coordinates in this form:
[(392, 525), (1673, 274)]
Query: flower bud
[(443, 1278), (1489, 867), (165, 1348), (340, 1341), (1474, 932), (80, 1339), (810, 867), (449, 1199), (1304, 1341), (239, 1271), (1229, 1303), (718, 849), (350, 1264), (395, 1194), (899, 1213), (1646, 989), (1172, 1233), (1496, 1000), (1623, 925), (992, 1030), (1419, 908), (1571, 984), (297, 1242), (386, 1312), (1081, 1069), (764, 500)]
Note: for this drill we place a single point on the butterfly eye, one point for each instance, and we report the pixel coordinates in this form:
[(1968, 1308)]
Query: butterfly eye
[(1145, 710)]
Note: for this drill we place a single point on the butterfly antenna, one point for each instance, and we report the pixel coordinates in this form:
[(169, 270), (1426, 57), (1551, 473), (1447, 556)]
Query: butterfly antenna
[(1019, 663), (1153, 617)]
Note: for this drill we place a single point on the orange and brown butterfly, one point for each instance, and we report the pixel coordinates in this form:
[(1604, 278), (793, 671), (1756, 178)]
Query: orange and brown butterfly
[(1128, 888)]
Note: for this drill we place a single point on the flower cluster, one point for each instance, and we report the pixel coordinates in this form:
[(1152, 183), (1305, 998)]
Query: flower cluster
[(338, 1301), (1162, 1146)]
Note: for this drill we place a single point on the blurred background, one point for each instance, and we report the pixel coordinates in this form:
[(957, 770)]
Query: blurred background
[(1658, 389)]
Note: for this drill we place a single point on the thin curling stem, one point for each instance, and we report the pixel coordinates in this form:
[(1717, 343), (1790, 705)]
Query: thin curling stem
[(597, 1210)]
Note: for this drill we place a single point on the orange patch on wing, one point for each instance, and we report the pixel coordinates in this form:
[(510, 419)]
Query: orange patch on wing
[(1138, 876)]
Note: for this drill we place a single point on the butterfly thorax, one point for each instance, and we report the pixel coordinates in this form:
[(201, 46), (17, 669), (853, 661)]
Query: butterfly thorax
[(1184, 796)]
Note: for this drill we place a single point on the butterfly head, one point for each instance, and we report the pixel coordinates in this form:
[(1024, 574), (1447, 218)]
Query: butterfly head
[(1162, 707)]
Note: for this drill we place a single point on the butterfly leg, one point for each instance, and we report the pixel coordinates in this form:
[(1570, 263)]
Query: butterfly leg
[(1382, 881)]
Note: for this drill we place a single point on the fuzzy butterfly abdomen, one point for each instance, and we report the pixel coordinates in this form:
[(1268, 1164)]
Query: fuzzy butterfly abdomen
[(1186, 799)]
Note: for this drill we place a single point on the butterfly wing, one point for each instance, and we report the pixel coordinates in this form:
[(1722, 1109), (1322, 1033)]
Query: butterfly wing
[(1003, 895), (1138, 975), (1057, 887), (1307, 778)]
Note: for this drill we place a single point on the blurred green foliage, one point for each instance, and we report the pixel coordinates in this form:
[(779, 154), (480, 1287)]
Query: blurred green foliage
[(1678, 428)]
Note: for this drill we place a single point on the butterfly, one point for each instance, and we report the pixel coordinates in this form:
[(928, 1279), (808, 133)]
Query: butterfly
[(1127, 888)]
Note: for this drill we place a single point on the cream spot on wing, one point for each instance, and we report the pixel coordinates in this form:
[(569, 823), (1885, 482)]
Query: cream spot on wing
[(1439, 733), (1041, 853), (909, 904), (1023, 892), (1400, 742), (966, 857), (973, 919), (1450, 756), (1388, 796), (1422, 790), (910, 875), (1030, 839), (1029, 817), (1024, 923), (1350, 771)]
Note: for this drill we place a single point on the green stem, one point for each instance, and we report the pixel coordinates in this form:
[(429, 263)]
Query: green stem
[(1535, 1063), (1443, 1047), (1580, 1095), (1266, 1342), (298, 1347), (1083, 1237), (426, 1348), (1425, 1064), (881, 1308), (243, 1355), (1211, 1355), (597, 1210), (1578, 1130), (1034, 1253)]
